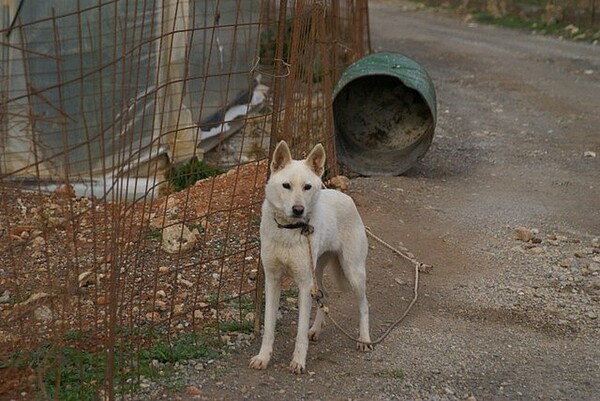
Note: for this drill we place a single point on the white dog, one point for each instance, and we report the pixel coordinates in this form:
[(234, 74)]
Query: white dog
[(293, 198)]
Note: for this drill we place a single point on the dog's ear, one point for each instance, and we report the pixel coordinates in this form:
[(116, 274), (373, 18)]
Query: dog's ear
[(281, 157), (316, 159)]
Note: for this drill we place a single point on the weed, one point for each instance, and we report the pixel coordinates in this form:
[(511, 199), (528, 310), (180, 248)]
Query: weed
[(154, 234), (187, 346), (504, 21), (561, 29), (256, 151), (79, 373), (290, 293), (269, 40), (564, 29), (144, 332), (255, 220), (246, 326), (72, 373), (74, 335), (187, 174), (197, 226)]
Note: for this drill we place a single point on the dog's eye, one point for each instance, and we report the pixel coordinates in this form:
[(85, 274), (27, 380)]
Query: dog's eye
[(307, 187), (286, 185)]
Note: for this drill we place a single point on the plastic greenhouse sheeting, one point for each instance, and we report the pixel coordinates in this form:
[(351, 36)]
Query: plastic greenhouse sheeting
[(94, 91)]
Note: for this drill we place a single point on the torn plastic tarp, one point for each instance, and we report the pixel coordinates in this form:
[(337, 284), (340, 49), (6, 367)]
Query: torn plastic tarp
[(111, 135), (143, 172)]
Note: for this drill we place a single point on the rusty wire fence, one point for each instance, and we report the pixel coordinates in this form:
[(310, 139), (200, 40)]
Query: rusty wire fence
[(134, 138)]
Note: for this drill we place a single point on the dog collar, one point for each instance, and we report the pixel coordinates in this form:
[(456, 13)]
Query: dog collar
[(306, 228)]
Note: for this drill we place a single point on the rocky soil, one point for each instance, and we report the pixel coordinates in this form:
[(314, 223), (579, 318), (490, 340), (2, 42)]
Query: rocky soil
[(505, 207)]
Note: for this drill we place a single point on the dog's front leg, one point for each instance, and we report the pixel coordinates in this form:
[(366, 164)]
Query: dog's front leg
[(304, 305), (272, 293)]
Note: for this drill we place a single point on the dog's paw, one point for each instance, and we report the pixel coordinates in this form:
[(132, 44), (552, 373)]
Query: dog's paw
[(313, 335), (257, 362), (364, 347), (297, 367)]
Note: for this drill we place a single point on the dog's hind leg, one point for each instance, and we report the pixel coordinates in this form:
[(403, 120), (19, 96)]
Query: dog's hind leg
[(317, 326), (355, 269), (363, 309)]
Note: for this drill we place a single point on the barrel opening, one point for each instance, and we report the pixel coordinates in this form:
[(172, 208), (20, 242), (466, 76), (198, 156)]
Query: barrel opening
[(382, 126)]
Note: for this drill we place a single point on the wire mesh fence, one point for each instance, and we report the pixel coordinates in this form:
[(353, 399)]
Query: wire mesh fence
[(134, 138)]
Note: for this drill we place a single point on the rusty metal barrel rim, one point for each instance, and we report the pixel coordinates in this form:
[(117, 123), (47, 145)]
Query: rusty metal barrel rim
[(384, 114)]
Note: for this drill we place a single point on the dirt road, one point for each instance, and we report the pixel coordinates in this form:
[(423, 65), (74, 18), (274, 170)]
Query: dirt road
[(498, 318)]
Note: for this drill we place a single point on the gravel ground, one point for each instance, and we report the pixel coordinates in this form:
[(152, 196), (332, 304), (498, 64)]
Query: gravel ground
[(506, 208)]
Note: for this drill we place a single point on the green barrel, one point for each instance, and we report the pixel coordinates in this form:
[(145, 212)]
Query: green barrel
[(384, 111)]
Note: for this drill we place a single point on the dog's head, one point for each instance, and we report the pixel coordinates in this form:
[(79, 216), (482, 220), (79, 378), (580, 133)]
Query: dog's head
[(294, 185)]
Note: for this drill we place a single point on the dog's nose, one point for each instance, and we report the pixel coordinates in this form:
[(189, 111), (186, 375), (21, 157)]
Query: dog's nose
[(298, 210)]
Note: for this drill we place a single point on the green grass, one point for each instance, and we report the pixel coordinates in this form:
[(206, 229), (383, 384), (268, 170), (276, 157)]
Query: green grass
[(79, 373), (564, 29), (186, 175), (505, 21), (187, 346), (243, 305), (290, 293), (198, 227), (246, 326), (74, 335), (154, 234), (72, 373)]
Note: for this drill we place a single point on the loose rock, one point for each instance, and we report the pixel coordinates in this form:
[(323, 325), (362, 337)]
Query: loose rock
[(5, 297), (523, 234), (193, 390), (567, 262), (43, 314), (339, 182), (86, 279), (425, 268), (178, 238)]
